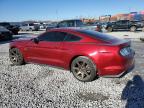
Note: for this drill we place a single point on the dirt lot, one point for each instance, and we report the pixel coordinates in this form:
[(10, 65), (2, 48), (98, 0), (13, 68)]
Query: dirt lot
[(37, 86)]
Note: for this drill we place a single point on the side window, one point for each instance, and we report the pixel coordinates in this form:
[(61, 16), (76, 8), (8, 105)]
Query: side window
[(118, 22), (71, 38), (25, 25), (123, 22), (71, 23), (79, 23), (52, 36), (60, 36), (31, 24), (63, 24)]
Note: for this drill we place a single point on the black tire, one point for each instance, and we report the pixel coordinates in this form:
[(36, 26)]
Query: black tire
[(109, 29), (21, 29), (142, 39), (10, 37), (133, 28), (30, 29), (16, 56), (83, 69)]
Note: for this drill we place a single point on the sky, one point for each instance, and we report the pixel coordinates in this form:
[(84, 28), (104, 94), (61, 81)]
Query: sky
[(22, 10)]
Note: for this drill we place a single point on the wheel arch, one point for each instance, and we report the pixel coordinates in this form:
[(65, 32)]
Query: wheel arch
[(134, 26), (76, 56), (11, 47)]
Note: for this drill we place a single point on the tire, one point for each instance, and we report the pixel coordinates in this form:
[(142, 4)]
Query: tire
[(16, 56), (143, 29), (109, 29), (142, 39), (21, 29), (10, 37), (133, 28), (83, 69), (30, 29)]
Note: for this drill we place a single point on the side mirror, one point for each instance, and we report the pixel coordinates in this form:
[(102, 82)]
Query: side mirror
[(35, 40)]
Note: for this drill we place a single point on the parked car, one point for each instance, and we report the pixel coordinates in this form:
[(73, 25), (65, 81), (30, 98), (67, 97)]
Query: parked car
[(75, 24), (29, 27), (85, 53), (5, 34), (12, 28), (124, 25), (50, 26)]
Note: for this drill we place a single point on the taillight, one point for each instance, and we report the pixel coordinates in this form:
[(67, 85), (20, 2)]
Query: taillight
[(126, 51)]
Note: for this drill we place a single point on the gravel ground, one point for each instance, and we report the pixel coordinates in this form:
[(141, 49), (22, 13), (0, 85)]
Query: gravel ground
[(39, 86)]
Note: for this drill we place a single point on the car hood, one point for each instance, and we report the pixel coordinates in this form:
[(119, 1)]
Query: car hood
[(22, 40), (2, 29)]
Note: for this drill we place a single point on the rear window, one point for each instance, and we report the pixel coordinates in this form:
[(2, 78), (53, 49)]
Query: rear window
[(71, 38), (98, 35)]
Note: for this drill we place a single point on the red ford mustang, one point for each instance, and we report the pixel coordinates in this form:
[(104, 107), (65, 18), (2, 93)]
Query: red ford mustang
[(85, 53)]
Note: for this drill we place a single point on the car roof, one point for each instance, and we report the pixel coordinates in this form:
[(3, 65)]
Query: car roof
[(72, 20), (88, 33)]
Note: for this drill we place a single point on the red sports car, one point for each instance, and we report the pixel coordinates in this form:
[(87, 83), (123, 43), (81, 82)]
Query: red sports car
[(87, 54)]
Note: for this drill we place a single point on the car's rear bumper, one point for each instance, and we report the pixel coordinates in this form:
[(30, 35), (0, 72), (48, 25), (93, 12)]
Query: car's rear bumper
[(121, 73), (118, 71)]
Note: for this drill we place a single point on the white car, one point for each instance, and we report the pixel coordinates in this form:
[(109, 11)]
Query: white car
[(28, 27)]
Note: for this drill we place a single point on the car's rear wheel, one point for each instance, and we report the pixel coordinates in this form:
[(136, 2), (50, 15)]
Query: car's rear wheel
[(83, 69), (16, 57), (133, 28), (30, 29), (109, 29)]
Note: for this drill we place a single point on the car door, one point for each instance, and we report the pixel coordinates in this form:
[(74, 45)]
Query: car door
[(117, 25), (124, 24), (47, 50), (68, 48)]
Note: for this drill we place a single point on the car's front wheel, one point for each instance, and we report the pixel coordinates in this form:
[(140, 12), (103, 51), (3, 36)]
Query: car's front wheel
[(133, 28), (16, 57), (83, 69)]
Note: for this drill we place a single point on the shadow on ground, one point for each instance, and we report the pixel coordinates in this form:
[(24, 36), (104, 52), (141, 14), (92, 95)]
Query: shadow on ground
[(133, 93)]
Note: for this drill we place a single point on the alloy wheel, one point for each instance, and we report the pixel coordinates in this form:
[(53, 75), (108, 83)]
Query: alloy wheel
[(15, 56), (81, 70)]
